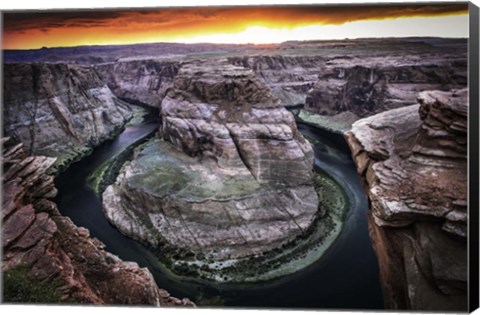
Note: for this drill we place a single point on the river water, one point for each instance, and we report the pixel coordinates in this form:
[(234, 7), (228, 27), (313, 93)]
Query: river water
[(346, 277)]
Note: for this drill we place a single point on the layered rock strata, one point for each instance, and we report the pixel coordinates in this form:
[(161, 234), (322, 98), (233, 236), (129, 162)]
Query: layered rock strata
[(59, 110), (230, 176), (347, 92), (288, 77), (35, 235), (414, 164), (361, 77), (366, 90), (139, 80)]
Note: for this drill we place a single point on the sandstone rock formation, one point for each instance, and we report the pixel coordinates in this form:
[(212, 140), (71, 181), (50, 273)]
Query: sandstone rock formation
[(139, 80), (59, 110), (366, 90), (231, 177), (414, 164), (34, 234), (288, 77)]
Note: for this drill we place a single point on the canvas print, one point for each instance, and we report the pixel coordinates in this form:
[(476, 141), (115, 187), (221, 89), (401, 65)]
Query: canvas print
[(281, 156)]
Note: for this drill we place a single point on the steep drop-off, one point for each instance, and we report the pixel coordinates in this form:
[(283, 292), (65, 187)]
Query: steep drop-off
[(52, 248), (59, 110), (414, 164)]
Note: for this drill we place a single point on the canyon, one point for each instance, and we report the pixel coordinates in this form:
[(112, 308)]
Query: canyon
[(228, 176)]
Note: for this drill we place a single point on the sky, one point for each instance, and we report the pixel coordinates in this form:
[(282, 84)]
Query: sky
[(247, 24)]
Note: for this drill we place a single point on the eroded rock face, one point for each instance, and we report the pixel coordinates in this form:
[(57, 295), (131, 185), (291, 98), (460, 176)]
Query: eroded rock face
[(141, 80), (36, 235), (359, 77), (370, 89), (288, 77), (414, 163), (59, 110), (231, 176)]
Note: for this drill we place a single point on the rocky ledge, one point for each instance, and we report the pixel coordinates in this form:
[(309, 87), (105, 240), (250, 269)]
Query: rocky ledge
[(59, 110), (55, 251), (230, 176), (414, 164)]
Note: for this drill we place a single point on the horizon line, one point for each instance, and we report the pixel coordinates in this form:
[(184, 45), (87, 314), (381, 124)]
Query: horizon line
[(232, 44)]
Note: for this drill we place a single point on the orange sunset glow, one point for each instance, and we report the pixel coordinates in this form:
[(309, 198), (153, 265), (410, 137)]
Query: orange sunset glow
[(257, 24)]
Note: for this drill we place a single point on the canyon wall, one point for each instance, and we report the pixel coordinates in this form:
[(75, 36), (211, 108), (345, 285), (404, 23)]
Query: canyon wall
[(288, 77), (59, 110), (36, 236), (340, 81), (361, 76), (413, 161), (139, 80), (367, 90)]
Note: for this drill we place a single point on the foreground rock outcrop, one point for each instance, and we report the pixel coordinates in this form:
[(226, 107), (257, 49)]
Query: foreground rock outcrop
[(230, 176), (414, 164), (59, 110), (35, 235)]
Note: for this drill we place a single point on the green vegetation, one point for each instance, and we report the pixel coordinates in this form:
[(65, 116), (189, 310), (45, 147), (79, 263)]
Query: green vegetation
[(202, 299), (331, 196), (138, 116), (19, 287), (66, 158), (106, 173), (96, 179), (163, 170)]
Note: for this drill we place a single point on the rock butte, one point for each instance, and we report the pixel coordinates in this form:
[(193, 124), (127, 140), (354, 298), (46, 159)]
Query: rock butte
[(230, 175), (414, 164)]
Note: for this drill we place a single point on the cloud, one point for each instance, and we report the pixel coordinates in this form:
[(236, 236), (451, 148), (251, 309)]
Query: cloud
[(87, 26), (290, 15)]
